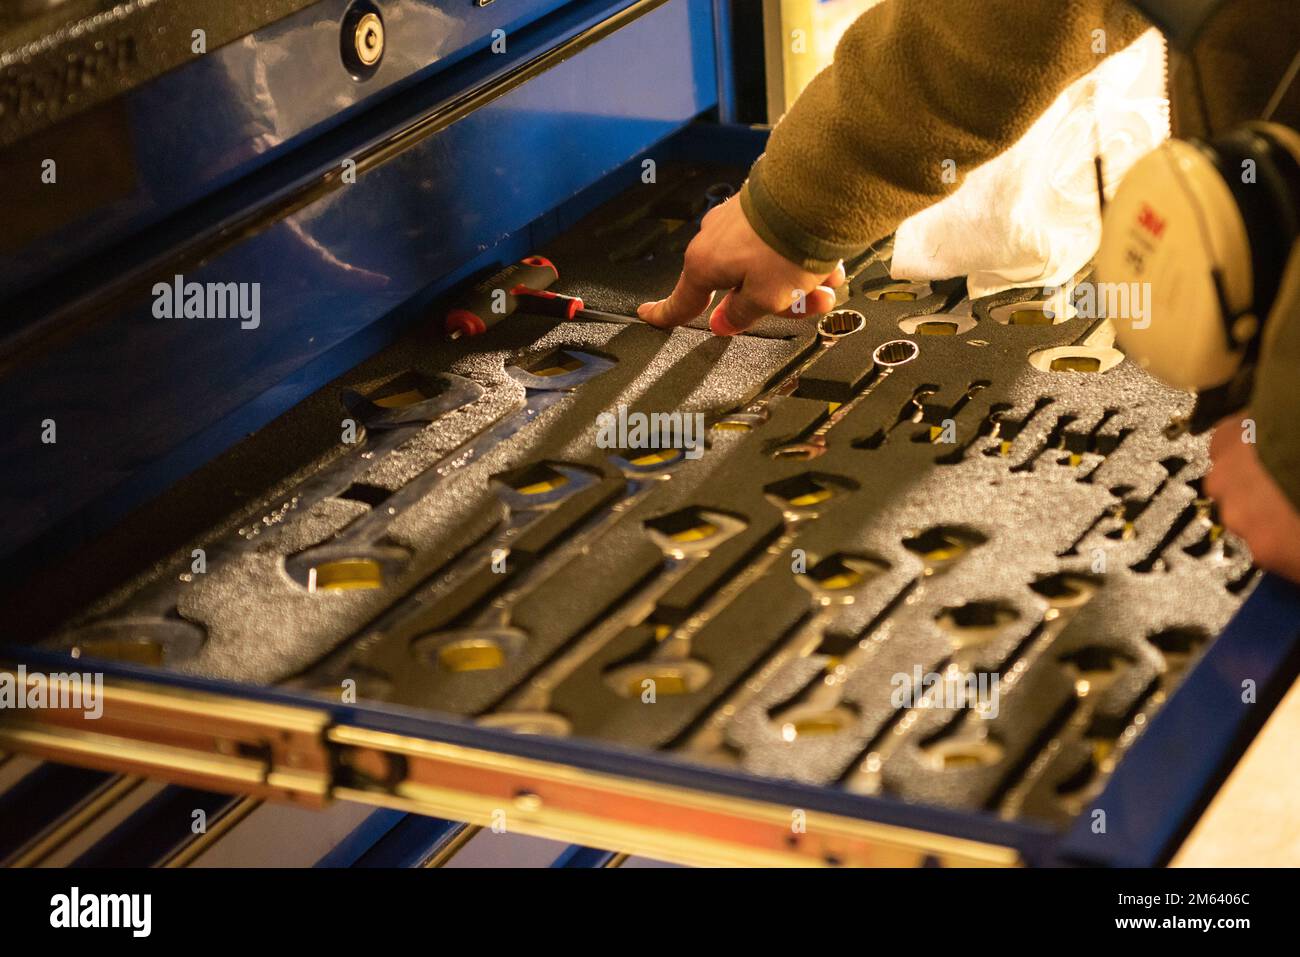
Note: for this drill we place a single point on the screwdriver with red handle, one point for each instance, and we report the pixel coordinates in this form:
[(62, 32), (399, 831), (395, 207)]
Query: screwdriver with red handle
[(521, 286), (492, 299)]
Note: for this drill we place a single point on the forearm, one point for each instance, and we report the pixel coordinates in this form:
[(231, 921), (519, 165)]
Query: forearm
[(916, 83)]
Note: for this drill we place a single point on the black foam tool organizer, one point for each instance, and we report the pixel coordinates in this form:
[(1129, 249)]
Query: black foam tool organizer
[(982, 512)]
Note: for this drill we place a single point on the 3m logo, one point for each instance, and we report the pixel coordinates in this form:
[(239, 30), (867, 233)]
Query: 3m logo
[(1150, 220)]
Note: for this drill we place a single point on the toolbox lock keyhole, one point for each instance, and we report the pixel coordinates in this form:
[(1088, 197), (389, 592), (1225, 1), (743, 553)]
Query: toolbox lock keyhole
[(362, 40)]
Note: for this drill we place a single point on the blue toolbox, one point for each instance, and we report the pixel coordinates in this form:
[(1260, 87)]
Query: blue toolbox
[(339, 471)]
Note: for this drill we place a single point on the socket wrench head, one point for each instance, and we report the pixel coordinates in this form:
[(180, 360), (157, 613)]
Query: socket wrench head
[(895, 352), (840, 323)]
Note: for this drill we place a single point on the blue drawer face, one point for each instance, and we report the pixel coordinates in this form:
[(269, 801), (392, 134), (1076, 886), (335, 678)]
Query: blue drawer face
[(423, 210), (206, 124)]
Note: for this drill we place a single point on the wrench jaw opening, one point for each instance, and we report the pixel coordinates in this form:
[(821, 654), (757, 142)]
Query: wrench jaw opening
[(139, 640), (559, 370), (804, 496), (974, 624), (1066, 591), (940, 547), (364, 682), (939, 324), (468, 650), (800, 722), (836, 579), (656, 463), (743, 421), (799, 452), (673, 678), (1095, 668), (541, 486), (898, 290), (343, 567), (957, 754), (425, 401), (543, 723), (692, 532)]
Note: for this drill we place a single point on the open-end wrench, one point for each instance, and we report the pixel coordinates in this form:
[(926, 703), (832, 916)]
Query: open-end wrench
[(671, 664), (887, 358), (525, 498), (831, 593), (686, 538), (147, 629), (359, 557), (1094, 669), (1069, 594), (488, 640), (820, 708)]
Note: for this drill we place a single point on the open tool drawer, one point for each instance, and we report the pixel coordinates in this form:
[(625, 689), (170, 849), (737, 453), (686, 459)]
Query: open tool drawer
[(707, 649)]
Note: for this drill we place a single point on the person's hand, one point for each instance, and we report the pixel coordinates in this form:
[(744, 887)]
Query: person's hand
[(727, 254), (1250, 503)]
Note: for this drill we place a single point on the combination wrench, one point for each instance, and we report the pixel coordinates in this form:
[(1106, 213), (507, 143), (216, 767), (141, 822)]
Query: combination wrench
[(886, 358), (831, 328)]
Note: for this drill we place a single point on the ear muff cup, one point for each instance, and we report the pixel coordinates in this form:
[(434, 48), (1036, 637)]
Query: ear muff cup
[(1212, 247), (1269, 206)]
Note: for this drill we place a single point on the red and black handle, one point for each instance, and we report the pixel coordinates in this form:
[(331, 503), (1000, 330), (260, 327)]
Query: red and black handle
[(540, 302), (497, 296)]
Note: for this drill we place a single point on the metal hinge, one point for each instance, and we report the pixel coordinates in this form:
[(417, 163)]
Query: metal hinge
[(297, 754), (196, 739), (514, 794)]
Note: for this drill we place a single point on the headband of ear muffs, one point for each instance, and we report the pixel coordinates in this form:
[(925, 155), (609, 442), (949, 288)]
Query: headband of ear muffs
[(1268, 200)]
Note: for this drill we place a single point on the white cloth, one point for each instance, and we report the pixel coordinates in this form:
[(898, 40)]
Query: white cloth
[(1030, 216)]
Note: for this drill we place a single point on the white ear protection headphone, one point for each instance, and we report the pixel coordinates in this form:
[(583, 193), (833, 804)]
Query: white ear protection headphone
[(1210, 226)]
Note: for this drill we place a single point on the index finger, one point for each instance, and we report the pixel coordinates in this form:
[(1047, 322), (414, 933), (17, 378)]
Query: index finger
[(689, 298)]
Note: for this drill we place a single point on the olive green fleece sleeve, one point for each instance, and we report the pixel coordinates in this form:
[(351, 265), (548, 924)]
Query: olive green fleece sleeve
[(1275, 403), (915, 83)]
